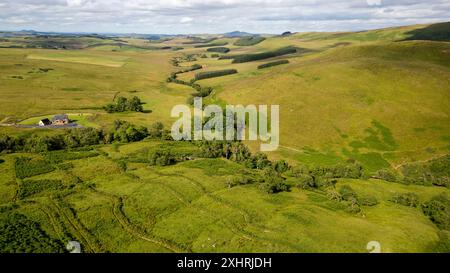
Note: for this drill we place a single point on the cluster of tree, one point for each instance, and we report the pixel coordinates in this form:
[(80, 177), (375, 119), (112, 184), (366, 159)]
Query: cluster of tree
[(350, 199), (438, 210), (212, 44), (240, 180), (22, 235), (122, 131), (249, 41), (274, 182), (161, 157), (275, 63), (271, 180), (406, 199), (343, 170), (123, 104), (264, 55), (186, 58), (435, 172), (219, 49), (213, 74)]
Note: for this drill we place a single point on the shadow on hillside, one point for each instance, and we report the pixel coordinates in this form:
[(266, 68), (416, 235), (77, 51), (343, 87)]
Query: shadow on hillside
[(435, 32)]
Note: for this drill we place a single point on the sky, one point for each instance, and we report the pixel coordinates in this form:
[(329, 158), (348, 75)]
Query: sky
[(216, 16)]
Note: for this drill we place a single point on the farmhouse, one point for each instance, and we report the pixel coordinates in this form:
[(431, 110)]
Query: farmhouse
[(45, 122), (60, 120)]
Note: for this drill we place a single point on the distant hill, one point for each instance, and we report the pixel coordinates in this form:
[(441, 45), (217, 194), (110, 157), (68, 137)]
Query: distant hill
[(237, 34), (435, 32)]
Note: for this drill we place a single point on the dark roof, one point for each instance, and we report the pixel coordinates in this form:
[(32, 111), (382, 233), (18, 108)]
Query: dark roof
[(46, 121), (60, 117)]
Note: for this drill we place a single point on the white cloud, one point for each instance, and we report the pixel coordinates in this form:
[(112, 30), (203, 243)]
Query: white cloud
[(217, 16), (374, 2), (186, 20), (76, 3)]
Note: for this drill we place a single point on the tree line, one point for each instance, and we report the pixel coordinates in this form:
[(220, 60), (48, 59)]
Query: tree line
[(121, 131), (123, 104)]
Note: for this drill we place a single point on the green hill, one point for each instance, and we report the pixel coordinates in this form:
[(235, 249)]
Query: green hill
[(363, 156)]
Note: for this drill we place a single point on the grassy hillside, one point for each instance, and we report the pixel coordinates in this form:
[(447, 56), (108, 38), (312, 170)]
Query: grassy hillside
[(189, 207), (364, 124)]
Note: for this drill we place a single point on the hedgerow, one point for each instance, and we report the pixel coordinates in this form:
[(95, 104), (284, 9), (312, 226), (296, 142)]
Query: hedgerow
[(213, 74), (211, 45), (219, 49), (265, 55), (266, 65), (249, 41)]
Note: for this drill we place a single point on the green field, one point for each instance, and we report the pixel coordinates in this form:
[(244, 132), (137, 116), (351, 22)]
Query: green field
[(379, 100)]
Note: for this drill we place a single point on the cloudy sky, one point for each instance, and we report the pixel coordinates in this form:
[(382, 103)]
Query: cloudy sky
[(218, 16)]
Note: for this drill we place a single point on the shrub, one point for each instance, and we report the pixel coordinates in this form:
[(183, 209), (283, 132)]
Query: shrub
[(325, 182), (406, 199), (347, 193), (126, 132), (265, 55), (238, 181), (334, 195), (387, 175), (219, 49), (306, 182), (161, 158), (258, 161), (351, 170), (211, 149), (266, 65), (27, 167), (438, 210), (281, 166), (249, 41), (275, 186), (353, 207), (368, 201), (273, 182), (212, 74), (1, 160)]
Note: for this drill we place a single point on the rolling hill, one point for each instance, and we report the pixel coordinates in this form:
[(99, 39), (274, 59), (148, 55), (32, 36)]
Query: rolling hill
[(363, 156)]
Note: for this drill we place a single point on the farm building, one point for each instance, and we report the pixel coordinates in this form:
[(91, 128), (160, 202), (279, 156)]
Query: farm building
[(45, 122), (60, 120)]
